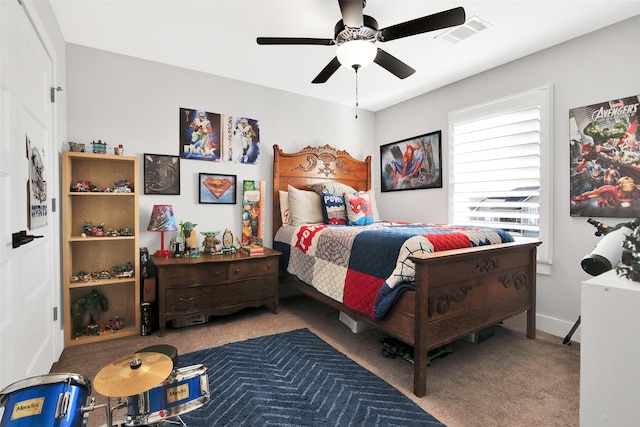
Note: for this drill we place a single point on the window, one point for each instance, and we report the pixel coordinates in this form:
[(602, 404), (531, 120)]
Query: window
[(500, 166)]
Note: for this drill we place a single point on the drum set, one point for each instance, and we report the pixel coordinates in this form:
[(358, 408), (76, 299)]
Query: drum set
[(147, 383)]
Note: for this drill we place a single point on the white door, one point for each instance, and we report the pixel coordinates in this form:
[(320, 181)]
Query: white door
[(29, 274)]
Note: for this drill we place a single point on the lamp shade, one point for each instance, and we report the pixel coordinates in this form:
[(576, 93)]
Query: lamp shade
[(162, 220), (358, 53)]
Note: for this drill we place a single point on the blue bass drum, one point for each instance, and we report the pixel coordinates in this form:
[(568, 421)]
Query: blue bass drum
[(183, 391), (46, 400)]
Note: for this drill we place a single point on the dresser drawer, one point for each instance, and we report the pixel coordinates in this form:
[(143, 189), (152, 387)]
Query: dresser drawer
[(190, 299), (196, 274), (253, 268), (209, 298)]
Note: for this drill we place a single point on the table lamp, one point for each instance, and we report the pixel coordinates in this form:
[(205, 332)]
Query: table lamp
[(162, 220)]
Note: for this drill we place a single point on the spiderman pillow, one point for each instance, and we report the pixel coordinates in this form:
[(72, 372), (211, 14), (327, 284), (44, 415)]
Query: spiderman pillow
[(359, 208)]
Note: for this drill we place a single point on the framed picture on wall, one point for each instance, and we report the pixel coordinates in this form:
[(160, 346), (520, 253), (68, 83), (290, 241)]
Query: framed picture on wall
[(412, 163), (161, 174), (604, 165), (217, 189)]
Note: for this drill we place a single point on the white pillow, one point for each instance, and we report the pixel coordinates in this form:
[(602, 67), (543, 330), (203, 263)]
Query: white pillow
[(305, 207), (284, 208)]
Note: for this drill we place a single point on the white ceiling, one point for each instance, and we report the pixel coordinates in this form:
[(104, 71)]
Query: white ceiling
[(219, 37)]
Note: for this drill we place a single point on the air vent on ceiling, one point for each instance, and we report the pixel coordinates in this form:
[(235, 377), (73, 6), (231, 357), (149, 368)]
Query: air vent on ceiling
[(472, 26)]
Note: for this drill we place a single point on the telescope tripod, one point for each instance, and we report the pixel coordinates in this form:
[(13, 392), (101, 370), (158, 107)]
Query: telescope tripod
[(567, 339)]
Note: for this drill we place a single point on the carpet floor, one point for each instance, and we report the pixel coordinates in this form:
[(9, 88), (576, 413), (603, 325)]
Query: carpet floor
[(296, 379), (507, 380)]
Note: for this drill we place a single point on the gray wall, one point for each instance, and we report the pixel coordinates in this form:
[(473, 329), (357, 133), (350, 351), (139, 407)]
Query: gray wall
[(134, 102), (594, 68)]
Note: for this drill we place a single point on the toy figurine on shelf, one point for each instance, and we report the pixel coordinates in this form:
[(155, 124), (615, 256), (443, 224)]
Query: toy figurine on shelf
[(99, 147), (210, 241), (123, 271), (87, 309), (187, 232), (227, 242), (177, 246), (77, 147), (126, 231), (115, 324), (95, 231), (82, 187), (122, 186)]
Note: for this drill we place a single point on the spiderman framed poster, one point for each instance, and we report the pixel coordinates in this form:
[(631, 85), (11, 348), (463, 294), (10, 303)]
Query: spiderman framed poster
[(412, 163)]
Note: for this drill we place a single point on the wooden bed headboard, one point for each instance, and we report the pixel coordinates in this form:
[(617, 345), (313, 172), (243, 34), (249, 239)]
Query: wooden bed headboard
[(312, 165)]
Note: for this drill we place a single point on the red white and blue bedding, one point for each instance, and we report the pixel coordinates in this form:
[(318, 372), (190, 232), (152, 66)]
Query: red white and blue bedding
[(367, 267)]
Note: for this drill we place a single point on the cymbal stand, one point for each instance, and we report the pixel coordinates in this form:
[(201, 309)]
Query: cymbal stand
[(90, 407), (110, 410)]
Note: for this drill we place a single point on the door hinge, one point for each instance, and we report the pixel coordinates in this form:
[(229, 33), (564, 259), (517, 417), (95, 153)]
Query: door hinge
[(53, 92), (55, 314)]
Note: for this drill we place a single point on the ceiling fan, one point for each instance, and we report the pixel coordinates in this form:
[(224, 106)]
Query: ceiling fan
[(356, 34)]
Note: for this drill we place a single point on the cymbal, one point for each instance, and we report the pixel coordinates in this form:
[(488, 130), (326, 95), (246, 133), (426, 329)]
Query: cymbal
[(133, 374)]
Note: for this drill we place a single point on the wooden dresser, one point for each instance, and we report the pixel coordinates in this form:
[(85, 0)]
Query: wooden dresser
[(215, 284)]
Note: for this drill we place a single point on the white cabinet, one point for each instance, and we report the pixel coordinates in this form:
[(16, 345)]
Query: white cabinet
[(610, 352)]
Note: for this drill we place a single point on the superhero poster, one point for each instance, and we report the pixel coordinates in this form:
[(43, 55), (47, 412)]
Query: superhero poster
[(412, 163), (605, 159)]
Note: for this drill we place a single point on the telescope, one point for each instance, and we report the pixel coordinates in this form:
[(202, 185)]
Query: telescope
[(608, 252)]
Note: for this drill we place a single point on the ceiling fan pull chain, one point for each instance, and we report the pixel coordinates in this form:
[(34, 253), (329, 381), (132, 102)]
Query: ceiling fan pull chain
[(355, 67)]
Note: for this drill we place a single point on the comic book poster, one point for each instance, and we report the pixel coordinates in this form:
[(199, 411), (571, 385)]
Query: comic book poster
[(605, 159), (200, 135), (253, 212), (241, 139)]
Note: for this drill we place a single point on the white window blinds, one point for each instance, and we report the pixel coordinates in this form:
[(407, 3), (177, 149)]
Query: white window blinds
[(497, 164)]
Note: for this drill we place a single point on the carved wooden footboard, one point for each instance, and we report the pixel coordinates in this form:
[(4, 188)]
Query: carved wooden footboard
[(463, 291)]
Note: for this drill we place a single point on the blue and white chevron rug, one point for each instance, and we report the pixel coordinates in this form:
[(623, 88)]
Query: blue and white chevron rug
[(296, 379)]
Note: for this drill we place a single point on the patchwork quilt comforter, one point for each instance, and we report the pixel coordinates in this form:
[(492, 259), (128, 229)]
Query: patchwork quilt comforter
[(367, 267)]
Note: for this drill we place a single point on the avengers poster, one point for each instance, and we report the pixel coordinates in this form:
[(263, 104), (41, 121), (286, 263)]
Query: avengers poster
[(605, 159)]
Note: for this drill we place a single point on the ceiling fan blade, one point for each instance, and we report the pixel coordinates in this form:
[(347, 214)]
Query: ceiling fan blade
[(294, 40), (393, 64), (437, 21), (351, 12), (327, 71)]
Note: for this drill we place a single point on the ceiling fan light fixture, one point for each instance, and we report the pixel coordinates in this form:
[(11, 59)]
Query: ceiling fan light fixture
[(356, 53)]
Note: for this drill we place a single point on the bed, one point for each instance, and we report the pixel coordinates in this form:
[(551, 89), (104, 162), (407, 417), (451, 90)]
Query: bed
[(455, 292)]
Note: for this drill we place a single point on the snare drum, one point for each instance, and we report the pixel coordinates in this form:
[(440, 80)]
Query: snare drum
[(47, 400), (184, 390)]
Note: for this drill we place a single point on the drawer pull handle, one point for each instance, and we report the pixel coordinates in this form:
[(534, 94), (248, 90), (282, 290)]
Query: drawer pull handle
[(187, 299), (237, 270)]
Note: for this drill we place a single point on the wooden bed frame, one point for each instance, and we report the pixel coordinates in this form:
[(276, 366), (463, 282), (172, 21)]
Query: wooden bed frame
[(457, 292)]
